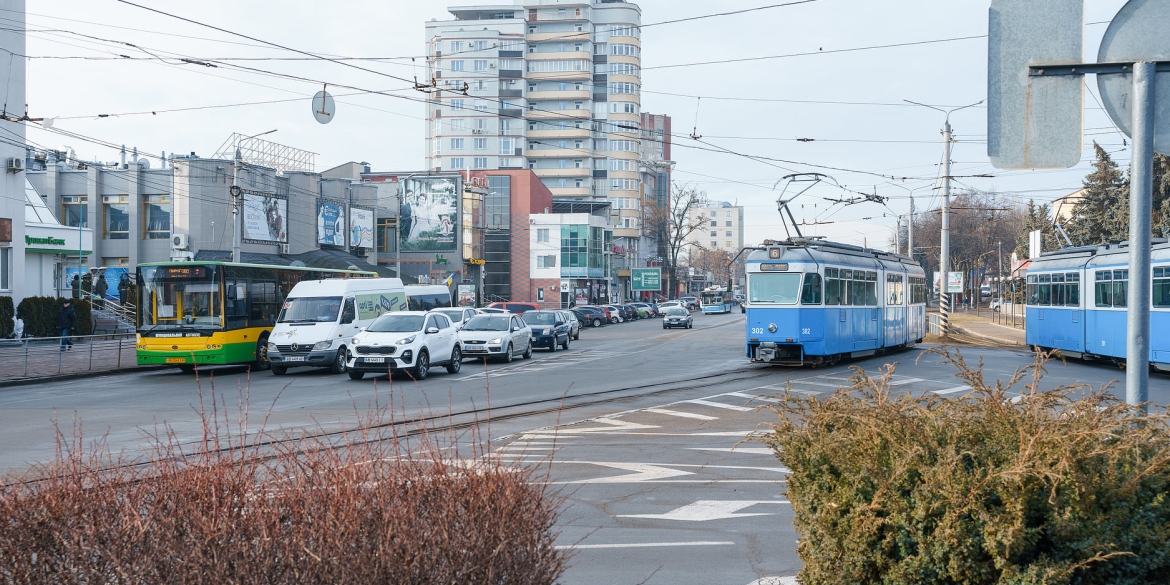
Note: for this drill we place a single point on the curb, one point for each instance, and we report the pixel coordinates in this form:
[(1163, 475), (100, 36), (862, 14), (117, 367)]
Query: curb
[(990, 338), (10, 382)]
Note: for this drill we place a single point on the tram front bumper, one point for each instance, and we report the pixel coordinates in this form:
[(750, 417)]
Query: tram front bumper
[(778, 353)]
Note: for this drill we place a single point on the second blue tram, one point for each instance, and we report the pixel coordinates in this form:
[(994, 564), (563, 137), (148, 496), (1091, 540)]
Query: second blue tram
[(1076, 302), (812, 302)]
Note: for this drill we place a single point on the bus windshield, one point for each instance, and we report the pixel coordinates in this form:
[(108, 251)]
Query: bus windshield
[(711, 298), (779, 289), (181, 297), (310, 310)]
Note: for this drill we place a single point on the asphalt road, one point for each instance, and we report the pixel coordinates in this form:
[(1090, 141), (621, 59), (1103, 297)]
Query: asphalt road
[(641, 429)]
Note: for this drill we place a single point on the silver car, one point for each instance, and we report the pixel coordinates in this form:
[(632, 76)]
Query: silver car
[(677, 317), (497, 336), (459, 316)]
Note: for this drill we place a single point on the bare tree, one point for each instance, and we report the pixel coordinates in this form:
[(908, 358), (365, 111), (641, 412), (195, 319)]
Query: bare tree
[(676, 221), (715, 262)]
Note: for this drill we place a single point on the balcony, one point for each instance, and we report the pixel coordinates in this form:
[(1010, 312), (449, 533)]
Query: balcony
[(511, 93), (511, 74), (577, 153), (559, 55), (511, 113), (581, 114), (569, 132), (511, 54), (574, 75), (567, 37), (562, 173), (567, 94), (569, 191)]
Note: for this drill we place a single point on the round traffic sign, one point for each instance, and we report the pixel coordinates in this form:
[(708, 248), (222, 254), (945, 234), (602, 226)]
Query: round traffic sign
[(1137, 33), (323, 107)]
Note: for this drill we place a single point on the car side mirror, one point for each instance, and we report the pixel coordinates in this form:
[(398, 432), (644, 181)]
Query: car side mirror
[(432, 330), (559, 323), (515, 328)]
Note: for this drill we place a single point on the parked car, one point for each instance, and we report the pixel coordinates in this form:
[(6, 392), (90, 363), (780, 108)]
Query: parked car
[(651, 310), (574, 324), (549, 329), (488, 311), (996, 304), (665, 306), (677, 317), (499, 336), (643, 310), (590, 316), (691, 303), (518, 308), (616, 314), (404, 341), (609, 314), (458, 316), (631, 312)]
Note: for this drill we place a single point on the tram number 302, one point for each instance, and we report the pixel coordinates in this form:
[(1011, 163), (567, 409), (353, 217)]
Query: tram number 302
[(760, 331)]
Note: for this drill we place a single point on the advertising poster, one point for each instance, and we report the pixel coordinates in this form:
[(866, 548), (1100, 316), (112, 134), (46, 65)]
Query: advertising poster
[(265, 219), (466, 295), (370, 306), (427, 220), (361, 228), (330, 224)]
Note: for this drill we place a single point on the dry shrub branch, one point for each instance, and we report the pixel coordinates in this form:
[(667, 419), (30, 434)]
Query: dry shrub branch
[(361, 507), (1064, 486)]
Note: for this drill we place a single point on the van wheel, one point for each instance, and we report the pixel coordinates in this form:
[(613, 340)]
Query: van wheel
[(456, 360), (355, 375), (339, 366), (261, 362), (279, 370)]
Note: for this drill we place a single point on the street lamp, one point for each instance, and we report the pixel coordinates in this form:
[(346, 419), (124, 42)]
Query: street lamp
[(235, 191)]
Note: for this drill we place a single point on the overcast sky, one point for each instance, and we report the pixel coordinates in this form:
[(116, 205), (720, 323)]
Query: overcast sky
[(897, 140)]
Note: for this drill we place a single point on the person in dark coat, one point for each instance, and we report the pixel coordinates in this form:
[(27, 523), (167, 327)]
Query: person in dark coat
[(99, 288), (66, 323), (124, 289)]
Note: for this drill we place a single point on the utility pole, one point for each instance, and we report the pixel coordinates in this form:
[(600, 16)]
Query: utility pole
[(999, 283), (910, 230), (1137, 349)]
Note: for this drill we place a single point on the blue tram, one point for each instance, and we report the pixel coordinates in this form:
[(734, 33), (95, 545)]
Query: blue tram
[(1076, 302), (814, 302)]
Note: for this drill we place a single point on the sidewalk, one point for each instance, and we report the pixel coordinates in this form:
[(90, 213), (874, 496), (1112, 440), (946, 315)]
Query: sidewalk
[(41, 360), (1001, 334)]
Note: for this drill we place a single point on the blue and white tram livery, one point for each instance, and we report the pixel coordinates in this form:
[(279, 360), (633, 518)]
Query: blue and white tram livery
[(813, 302), (1076, 302)]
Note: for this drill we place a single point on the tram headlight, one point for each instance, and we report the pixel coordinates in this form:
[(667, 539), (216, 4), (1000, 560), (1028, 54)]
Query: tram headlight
[(771, 327)]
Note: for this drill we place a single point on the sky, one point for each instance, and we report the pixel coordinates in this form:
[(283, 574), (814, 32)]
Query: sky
[(850, 102)]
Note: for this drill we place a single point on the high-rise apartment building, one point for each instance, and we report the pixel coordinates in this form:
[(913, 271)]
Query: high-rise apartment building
[(548, 85), (722, 227)]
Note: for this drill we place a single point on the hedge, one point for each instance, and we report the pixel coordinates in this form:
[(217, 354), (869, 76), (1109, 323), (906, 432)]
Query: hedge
[(40, 316), (1065, 486), (7, 312)]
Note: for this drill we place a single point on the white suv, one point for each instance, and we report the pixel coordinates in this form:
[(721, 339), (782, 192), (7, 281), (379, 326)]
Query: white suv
[(401, 341)]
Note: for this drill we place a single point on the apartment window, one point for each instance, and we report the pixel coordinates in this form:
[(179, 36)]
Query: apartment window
[(542, 235), (562, 183), (116, 217), (729, 235), (531, 87), (479, 84), (5, 268), (480, 126), (458, 124), (617, 164), (577, 46), (623, 146), (386, 234), (561, 48), (622, 69), (728, 214), (479, 143), (563, 106), (532, 30), (512, 64), (729, 225), (480, 162), (506, 146), (576, 164), (623, 184), (714, 224), (480, 64), (714, 245), (623, 87), (456, 144), (480, 105), (549, 261), (578, 183), (630, 222), (623, 108), (456, 104), (713, 213), (562, 164), (75, 209), (437, 145), (480, 45), (456, 163), (560, 65), (624, 50), (578, 105), (156, 217), (457, 65), (623, 30), (714, 235), (456, 46), (728, 244)]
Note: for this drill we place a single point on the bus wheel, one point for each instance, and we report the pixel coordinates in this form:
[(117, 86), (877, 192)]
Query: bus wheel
[(187, 368), (261, 362)]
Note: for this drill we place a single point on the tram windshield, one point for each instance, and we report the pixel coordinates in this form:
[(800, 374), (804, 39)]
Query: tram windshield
[(778, 289)]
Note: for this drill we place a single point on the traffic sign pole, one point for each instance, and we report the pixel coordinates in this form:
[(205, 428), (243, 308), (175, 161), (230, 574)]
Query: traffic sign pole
[(1137, 351)]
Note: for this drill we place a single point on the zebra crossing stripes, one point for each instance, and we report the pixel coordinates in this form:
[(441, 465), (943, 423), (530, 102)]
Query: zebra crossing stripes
[(682, 414)]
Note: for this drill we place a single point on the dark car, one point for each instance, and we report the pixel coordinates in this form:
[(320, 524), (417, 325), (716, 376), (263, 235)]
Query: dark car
[(574, 323), (549, 329), (631, 312), (677, 317), (591, 316)]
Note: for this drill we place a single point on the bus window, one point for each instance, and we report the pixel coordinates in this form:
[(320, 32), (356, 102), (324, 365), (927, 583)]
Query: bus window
[(811, 294), (235, 304)]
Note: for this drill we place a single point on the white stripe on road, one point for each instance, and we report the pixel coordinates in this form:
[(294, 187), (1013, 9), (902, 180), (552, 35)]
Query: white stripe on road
[(682, 414), (719, 405), (906, 381), (952, 390), (806, 382), (751, 397), (747, 450), (648, 544), (774, 581)]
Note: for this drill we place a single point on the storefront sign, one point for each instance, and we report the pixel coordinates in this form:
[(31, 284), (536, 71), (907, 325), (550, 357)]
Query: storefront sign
[(31, 241)]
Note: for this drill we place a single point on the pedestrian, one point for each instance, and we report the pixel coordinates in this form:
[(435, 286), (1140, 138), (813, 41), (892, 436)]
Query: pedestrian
[(66, 323), (124, 289), (99, 289), (76, 287)]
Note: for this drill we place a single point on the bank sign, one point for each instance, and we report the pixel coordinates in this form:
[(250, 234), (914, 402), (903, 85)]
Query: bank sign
[(645, 279), (31, 241)]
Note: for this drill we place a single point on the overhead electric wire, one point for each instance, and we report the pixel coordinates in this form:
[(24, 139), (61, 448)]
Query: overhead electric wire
[(808, 53)]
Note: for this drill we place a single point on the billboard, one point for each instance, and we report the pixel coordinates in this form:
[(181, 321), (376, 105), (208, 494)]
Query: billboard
[(361, 228), (370, 306), (265, 219), (645, 279), (466, 295), (330, 224), (427, 220)]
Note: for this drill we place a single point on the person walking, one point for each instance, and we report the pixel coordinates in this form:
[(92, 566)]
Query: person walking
[(66, 323), (99, 290), (124, 289)]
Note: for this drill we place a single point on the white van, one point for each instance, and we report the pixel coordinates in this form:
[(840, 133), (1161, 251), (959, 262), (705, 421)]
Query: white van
[(319, 317), (428, 297)]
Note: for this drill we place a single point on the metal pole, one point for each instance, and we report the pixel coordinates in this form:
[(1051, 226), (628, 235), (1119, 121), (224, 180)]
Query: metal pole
[(398, 232), (1137, 356), (91, 340), (999, 282), (910, 230), (944, 255), (236, 199)]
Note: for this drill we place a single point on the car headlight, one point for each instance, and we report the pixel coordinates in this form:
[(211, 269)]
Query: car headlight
[(271, 347), (405, 340), (322, 345), (355, 341), (546, 331), (496, 340)]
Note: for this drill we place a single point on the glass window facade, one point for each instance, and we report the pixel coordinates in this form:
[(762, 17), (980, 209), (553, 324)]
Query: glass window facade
[(498, 205), (156, 217), (582, 251)]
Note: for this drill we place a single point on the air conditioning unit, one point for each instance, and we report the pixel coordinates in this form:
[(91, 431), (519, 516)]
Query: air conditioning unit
[(493, 65), (284, 249), (179, 242), (15, 165)]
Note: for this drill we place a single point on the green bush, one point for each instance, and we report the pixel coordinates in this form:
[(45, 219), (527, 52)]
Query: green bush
[(1050, 488), (40, 316), (7, 312)]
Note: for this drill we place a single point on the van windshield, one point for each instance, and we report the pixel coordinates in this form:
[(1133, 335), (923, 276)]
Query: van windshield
[(310, 310)]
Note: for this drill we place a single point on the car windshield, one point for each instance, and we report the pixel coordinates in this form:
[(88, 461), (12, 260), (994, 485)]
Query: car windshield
[(310, 310), (488, 323), (677, 312), (397, 324), (539, 318), (455, 315)]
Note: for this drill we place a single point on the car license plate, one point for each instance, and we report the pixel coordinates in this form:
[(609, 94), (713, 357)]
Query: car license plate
[(374, 360), (474, 348), (176, 360), (295, 358)]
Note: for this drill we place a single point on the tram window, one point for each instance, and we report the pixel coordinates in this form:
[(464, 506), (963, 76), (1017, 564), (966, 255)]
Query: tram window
[(832, 287), (1104, 288), (871, 296), (857, 289), (1031, 292), (1057, 290), (1161, 287), (1044, 290), (811, 294), (894, 291), (1072, 289), (1120, 287)]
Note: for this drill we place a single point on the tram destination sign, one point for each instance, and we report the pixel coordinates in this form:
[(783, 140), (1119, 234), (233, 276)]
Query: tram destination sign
[(645, 279)]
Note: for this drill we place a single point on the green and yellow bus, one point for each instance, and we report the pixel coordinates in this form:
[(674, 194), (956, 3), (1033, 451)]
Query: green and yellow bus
[(214, 312)]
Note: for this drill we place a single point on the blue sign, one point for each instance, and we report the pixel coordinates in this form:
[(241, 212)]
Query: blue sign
[(330, 224)]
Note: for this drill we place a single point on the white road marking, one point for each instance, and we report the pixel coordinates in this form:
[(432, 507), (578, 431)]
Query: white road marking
[(906, 381), (720, 434), (642, 472), (705, 510), (952, 390), (774, 581), (809, 383), (681, 414), (719, 405), (836, 378), (746, 450), (648, 545), (751, 397), (524, 448)]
